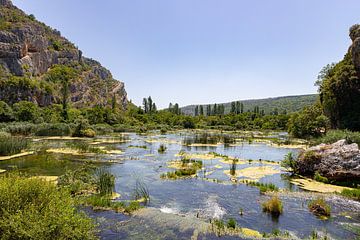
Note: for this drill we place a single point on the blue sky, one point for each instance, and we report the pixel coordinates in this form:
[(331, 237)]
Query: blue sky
[(206, 51)]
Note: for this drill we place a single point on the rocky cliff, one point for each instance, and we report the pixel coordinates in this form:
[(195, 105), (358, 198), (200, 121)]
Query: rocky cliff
[(29, 50), (338, 161)]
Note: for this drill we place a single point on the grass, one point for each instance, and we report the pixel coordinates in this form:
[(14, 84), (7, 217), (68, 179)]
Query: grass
[(179, 173), (162, 148), (273, 206), (141, 191), (99, 202), (263, 187), (12, 145), (319, 178), (105, 182), (138, 146), (319, 207), (36, 209), (336, 135), (353, 193), (58, 129), (84, 147)]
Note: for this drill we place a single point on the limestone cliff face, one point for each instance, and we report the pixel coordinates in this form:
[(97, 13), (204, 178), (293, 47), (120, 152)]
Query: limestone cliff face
[(28, 49)]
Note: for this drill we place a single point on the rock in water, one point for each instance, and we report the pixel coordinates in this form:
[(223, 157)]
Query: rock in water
[(338, 161), (29, 49)]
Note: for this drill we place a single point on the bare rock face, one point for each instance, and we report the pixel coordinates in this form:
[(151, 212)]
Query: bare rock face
[(338, 161), (29, 49), (355, 47)]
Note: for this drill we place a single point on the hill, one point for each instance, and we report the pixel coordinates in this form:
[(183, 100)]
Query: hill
[(286, 103), (36, 62)]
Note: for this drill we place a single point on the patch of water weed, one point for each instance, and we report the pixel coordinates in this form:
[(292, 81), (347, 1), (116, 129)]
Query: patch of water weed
[(12, 145), (320, 207), (84, 147), (273, 206), (162, 148), (351, 193)]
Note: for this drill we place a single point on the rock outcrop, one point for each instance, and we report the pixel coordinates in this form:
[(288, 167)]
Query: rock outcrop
[(338, 161), (28, 49)]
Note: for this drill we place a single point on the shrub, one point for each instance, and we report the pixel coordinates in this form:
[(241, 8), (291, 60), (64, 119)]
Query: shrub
[(26, 111), (6, 113), (289, 162), (20, 128), (319, 178), (231, 223), (35, 209), (82, 128), (336, 135), (12, 145), (88, 133), (273, 206), (319, 207)]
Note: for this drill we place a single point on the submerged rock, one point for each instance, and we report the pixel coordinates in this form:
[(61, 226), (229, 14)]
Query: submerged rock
[(338, 161)]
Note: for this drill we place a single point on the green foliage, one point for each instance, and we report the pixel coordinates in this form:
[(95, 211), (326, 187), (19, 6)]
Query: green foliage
[(6, 113), (26, 111), (12, 145), (340, 94), (179, 173), (82, 128), (333, 136), (162, 148), (79, 180), (319, 178), (105, 182), (35, 209), (83, 147), (289, 162), (231, 223), (141, 191), (263, 187), (56, 129), (273, 206), (319, 207), (351, 193), (310, 122)]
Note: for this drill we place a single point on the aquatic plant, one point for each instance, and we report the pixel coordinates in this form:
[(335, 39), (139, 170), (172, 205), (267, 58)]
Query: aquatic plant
[(141, 191), (319, 207), (162, 148), (84, 147), (319, 178), (105, 182), (99, 202), (79, 180), (12, 145), (233, 168), (273, 206), (351, 193), (231, 223), (263, 187), (138, 146), (40, 210), (179, 173)]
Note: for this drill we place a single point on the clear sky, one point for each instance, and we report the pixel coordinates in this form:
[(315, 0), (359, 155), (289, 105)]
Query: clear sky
[(206, 51)]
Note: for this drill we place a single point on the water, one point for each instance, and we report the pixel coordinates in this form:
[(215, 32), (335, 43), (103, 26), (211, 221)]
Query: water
[(177, 206)]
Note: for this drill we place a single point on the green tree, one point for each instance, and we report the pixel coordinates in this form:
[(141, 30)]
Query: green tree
[(26, 111), (145, 105), (201, 110), (339, 88), (233, 108), (196, 110), (6, 113)]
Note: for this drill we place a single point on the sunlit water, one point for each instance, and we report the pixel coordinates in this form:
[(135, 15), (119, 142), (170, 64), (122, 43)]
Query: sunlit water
[(199, 199)]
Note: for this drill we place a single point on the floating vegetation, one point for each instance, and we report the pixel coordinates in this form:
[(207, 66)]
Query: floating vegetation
[(179, 174), (320, 208), (273, 206), (84, 147), (314, 186), (12, 145), (254, 173), (98, 202)]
